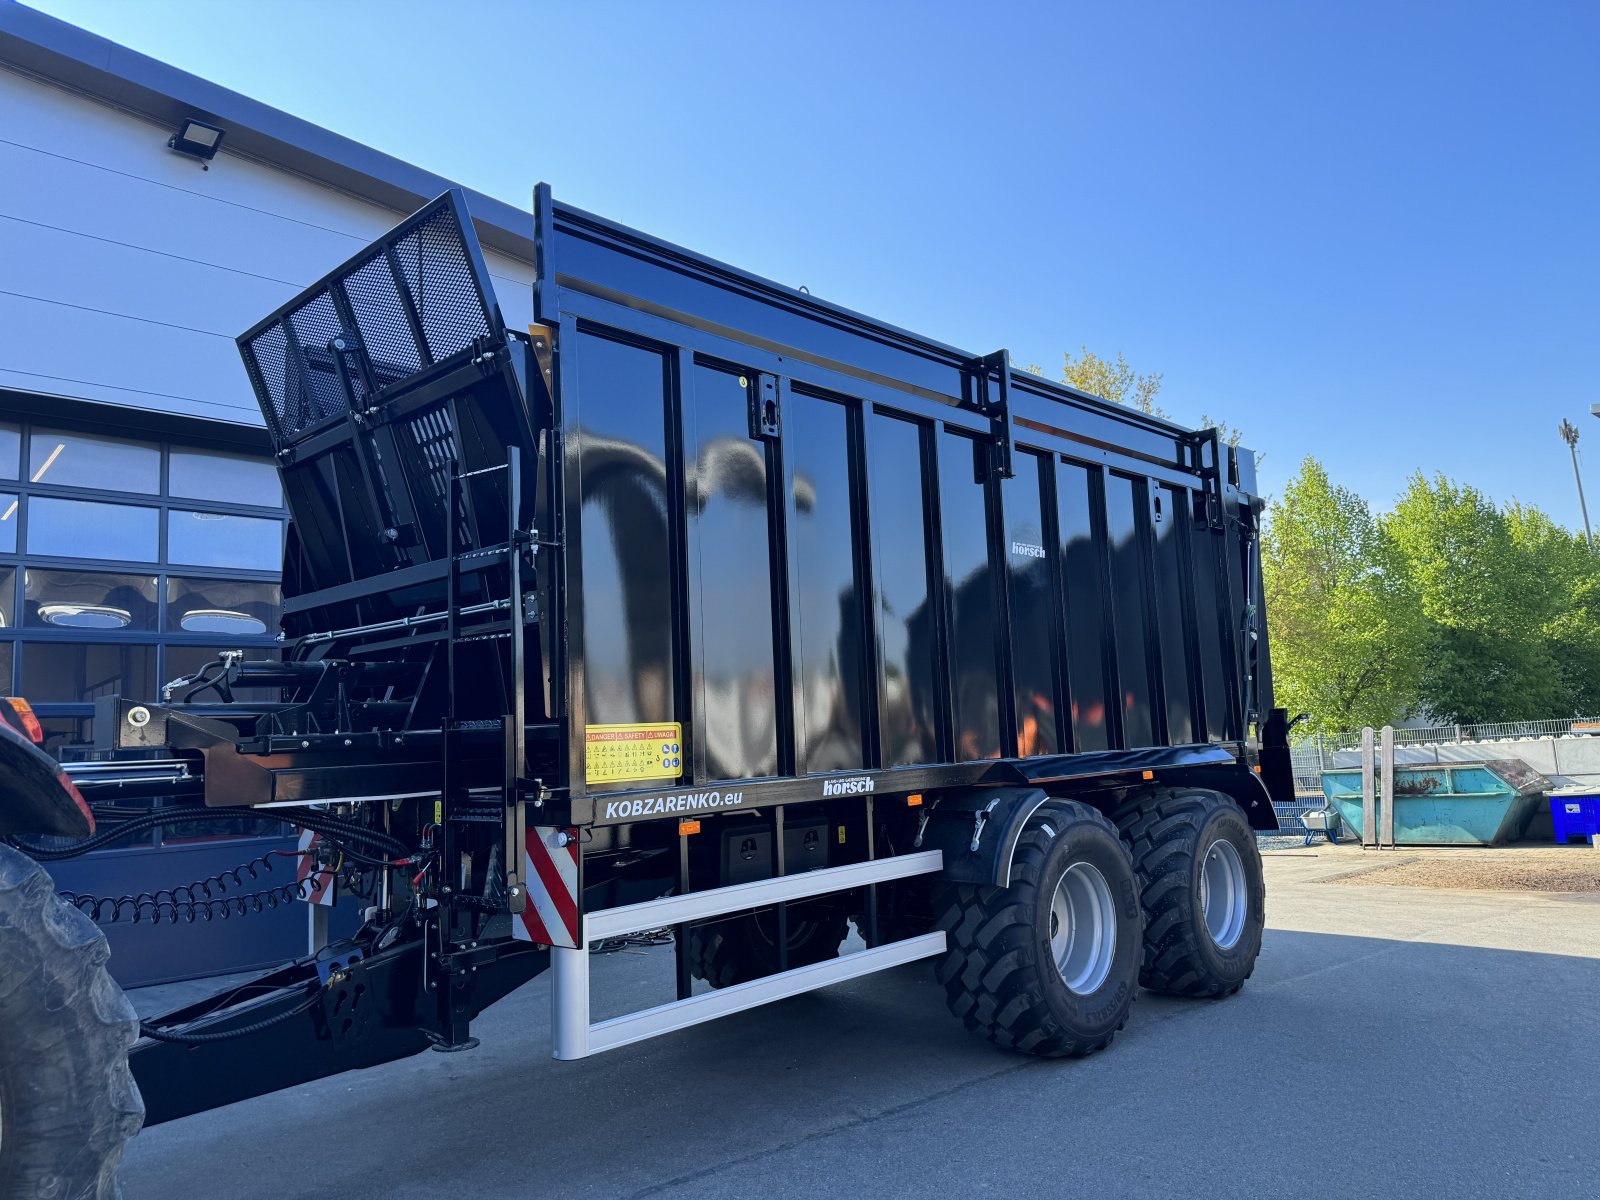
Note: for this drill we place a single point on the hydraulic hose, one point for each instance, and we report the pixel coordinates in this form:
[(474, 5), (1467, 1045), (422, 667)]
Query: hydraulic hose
[(335, 829)]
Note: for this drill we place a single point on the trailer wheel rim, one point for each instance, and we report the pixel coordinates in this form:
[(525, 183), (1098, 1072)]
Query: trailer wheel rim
[(1224, 897), (1083, 929)]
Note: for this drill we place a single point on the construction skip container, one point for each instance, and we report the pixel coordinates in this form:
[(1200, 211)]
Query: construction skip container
[(698, 604)]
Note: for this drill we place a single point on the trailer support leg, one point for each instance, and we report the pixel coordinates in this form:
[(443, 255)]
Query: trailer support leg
[(569, 1002)]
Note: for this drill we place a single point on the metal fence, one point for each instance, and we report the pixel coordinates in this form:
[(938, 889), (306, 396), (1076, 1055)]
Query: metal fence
[(1579, 726)]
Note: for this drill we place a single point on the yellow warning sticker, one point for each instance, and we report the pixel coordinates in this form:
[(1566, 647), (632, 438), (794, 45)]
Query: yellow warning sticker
[(612, 753)]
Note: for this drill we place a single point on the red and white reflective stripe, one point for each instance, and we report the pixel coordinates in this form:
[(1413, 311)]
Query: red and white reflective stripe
[(550, 871), (316, 887)]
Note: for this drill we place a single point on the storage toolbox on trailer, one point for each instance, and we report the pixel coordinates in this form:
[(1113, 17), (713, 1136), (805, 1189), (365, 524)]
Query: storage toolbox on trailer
[(702, 603)]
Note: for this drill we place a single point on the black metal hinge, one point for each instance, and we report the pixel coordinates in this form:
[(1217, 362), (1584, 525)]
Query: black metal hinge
[(993, 400), (765, 419)]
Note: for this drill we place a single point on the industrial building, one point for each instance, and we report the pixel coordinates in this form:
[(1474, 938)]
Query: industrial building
[(150, 216)]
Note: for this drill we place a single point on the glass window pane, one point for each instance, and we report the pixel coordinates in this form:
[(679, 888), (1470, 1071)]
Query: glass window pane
[(89, 529), (87, 460), (10, 450), (88, 600), (217, 540), (212, 475), (8, 591), (69, 672), (5, 668), (8, 522), (222, 606)]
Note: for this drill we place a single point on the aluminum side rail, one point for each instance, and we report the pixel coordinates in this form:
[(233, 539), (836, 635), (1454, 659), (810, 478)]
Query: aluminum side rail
[(574, 1037)]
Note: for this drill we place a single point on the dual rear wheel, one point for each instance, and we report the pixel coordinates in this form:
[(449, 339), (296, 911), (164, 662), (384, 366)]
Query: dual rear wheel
[(1169, 897), (1201, 887)]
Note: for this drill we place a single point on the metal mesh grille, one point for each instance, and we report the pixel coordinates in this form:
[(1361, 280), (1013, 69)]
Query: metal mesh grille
[(267, 358), (315, 324), (381, 314), (439, 296), (438, 275)]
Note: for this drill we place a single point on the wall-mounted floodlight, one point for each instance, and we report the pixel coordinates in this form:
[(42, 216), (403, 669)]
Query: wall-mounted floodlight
[(196, 139)]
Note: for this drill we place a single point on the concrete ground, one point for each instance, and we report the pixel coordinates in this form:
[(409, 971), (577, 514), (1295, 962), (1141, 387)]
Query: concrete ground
[(1395, 1041)]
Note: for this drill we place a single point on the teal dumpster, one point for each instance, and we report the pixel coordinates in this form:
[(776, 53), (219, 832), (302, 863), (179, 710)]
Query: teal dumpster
[(1447, 804)]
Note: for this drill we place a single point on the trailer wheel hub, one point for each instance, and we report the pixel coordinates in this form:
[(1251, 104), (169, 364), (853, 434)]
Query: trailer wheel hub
[(1083, 931), (1223, 897)]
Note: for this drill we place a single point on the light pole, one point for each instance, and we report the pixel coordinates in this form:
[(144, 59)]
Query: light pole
[(1569, 434)]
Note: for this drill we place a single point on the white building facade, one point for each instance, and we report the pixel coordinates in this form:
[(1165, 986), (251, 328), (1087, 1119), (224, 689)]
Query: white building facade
[(141, 522)]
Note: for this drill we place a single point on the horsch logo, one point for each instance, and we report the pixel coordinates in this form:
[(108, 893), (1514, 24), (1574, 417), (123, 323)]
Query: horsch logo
[(854, 786)]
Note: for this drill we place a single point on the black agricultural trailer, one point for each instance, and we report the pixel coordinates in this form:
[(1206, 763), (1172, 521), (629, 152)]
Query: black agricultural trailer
[(700, 604)]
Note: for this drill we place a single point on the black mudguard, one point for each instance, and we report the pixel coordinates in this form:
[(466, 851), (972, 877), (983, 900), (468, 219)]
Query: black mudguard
[(977, 829)]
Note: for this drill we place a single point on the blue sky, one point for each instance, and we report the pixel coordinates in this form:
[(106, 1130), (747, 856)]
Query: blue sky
[(1367, 231)]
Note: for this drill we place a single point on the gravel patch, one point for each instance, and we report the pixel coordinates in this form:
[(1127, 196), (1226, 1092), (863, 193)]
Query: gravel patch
[(1514, 869)]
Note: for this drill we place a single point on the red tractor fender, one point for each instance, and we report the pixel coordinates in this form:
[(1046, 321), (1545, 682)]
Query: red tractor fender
[(36, 797)]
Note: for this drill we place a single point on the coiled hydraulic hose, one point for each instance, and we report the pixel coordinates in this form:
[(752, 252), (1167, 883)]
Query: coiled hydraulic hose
[(211, 899), (336, 829)]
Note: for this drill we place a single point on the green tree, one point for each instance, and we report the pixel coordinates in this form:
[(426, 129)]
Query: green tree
[(1347, 635), (1564, 572), (1114, 380), (1488, 585)]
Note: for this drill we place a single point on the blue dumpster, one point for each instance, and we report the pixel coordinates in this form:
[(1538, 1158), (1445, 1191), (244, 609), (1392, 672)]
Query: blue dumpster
[(1575, 815)]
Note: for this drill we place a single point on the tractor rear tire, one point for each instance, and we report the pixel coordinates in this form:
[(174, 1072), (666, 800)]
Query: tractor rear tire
[(68, 1103), (1049, 965), (739, 949), (1201, 885)]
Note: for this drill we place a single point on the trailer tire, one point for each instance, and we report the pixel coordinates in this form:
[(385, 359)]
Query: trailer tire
[(68, 1103), (1049, 965), (1201, 884), (739, 949)]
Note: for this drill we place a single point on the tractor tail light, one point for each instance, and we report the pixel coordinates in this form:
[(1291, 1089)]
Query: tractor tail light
[(23, 718)]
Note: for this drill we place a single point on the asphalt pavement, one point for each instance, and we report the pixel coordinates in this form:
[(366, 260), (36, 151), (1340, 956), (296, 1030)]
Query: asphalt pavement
[(1394, 1041)]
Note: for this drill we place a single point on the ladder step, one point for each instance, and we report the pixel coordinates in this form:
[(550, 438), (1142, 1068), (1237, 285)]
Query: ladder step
[(680, 1014), (697, 906)]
